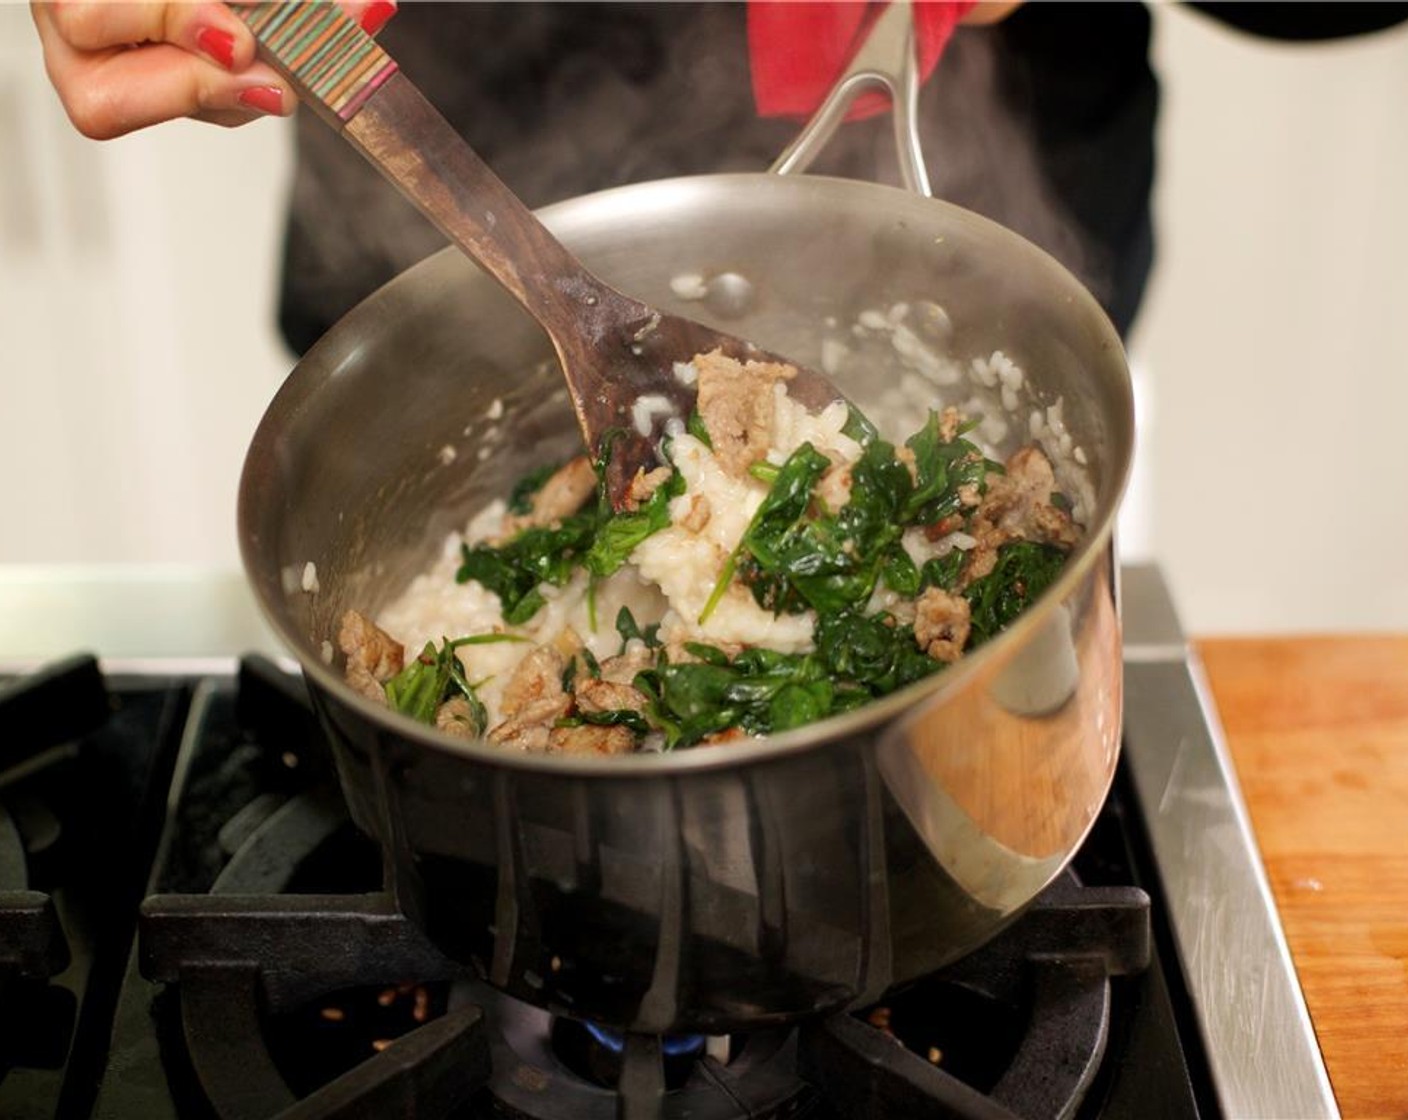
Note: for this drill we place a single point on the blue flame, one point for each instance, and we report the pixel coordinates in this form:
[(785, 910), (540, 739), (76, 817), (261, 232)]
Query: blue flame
[(673, 1045)]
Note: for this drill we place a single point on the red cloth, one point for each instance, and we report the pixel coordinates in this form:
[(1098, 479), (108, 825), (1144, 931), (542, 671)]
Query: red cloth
[(798, 48)]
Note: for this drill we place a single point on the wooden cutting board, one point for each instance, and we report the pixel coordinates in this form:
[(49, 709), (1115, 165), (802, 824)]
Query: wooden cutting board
[(1318, 729)]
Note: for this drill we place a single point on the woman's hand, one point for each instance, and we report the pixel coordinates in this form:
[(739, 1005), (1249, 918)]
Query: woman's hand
[(122, 66), (990, 11)]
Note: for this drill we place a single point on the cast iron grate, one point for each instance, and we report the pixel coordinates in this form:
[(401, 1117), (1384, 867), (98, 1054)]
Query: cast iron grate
[(42, 718)]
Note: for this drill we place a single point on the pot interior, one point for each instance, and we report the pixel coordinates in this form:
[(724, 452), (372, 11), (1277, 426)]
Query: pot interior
[(437, 392)]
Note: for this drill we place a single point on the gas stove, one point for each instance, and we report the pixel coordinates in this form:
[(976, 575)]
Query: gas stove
[(190, 926)]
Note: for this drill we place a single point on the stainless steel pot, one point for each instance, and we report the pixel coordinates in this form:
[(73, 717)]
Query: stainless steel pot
[(726, 886)]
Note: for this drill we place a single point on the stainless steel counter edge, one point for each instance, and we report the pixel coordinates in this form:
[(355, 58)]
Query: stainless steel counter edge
[(1259, 1039)]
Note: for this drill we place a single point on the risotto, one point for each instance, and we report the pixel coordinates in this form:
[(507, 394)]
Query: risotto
[(781, 567)]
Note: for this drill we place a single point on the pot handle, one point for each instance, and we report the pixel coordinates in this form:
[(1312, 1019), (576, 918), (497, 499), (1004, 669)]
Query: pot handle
[(887, 61)]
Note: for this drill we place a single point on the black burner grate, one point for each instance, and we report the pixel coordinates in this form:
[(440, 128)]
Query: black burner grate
[(1016, 1030)]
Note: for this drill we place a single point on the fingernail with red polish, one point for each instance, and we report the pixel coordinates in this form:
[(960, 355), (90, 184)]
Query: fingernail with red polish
[(375, 15), (263, 99), (219, 45)]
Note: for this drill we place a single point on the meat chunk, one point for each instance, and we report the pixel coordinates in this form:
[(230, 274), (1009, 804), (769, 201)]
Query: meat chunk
[(528, 735), (562, 495), (364, 684), (369, 646), (1054, 526), (590, 739), (533, 701), (1017, 506), (530, 729), (941, 624), (645, 484), (1013, 499), (944, 526), (607, 696), (537, 678), (373, 655), (455, 717), (736, 404), (623, 668)]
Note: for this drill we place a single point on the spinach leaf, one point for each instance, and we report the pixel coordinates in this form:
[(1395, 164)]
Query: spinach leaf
[(942, 467), (595, 538), (434, 677), (490, 639), (628, 628), (797, 559), (613, 717), (690, 701), (785, 503), (859, 427), (710, 655), (760, 691), (1024, 569), (794, 705), (872, 650), (617, 536), (695, 427), (542, 554), (900, 573), (942, 571)]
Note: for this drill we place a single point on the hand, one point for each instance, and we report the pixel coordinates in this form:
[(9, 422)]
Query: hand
[(121, 66), (990, 11)]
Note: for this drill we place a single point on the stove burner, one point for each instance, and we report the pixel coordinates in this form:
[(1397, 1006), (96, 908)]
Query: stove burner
[(672, 1046), (598, 1053), (542, 1070)]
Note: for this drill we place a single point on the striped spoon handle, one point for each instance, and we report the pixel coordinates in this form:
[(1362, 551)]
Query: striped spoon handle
[(333, 64)]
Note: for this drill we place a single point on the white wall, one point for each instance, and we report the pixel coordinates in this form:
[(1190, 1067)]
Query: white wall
[(137, 346), (1276, 335)]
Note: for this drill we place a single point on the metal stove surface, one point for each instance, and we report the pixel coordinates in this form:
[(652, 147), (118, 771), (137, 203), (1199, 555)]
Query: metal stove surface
[(285, 987)]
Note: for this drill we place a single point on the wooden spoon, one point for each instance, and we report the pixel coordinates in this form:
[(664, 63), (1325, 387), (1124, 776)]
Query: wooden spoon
[(614, 350)]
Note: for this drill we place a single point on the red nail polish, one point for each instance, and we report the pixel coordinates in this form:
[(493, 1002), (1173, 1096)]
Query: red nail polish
[(263, 99), (219, 45), (375, 15)]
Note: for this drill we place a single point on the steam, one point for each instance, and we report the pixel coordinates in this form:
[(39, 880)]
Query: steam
[(564, 99), (981, 152)]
